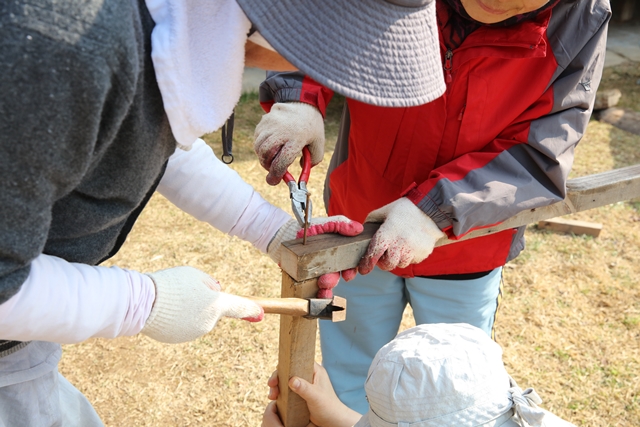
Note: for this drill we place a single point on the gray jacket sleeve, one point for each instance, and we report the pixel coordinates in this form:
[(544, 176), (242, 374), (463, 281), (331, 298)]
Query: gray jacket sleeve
[(293, 87), (281, 87), (534, 174)]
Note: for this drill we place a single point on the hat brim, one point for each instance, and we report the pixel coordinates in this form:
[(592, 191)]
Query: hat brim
[(369, 50), (549, 420)]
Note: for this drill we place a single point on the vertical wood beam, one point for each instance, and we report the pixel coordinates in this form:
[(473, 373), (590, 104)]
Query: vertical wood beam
[(296, 354)]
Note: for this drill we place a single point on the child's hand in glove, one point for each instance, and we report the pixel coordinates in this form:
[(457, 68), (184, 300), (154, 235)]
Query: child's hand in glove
[(407, 236)]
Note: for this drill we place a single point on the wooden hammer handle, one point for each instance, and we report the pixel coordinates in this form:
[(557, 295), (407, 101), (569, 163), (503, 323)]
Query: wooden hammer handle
[(289, 306)]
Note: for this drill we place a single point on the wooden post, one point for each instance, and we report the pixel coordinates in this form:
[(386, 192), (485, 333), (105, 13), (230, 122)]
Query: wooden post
[(296, 352)]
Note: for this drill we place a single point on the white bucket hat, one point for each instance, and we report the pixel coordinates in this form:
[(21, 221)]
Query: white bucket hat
[(444, 375), (382, 52)]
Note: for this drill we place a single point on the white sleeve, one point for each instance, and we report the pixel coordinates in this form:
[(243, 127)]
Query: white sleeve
[(67, 302), (197, 182)]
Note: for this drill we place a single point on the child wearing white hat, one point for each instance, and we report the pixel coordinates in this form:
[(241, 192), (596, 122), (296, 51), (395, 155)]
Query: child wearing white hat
[(433, 375)]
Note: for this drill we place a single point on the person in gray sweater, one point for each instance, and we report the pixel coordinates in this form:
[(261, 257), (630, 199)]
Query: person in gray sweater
[(102, 103)]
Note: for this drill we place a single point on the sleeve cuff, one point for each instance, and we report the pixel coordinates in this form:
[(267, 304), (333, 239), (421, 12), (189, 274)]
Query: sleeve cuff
[(428, 206)]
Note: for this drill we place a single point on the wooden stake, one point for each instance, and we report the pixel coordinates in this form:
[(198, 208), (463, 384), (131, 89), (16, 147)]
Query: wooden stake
[(296, 353)]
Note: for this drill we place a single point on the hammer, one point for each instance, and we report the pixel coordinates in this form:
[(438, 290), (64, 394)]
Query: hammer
[(334, 309)]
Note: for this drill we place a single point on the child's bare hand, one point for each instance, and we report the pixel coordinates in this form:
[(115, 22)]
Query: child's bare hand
[(324, 406), (270, 417), (272, 382)]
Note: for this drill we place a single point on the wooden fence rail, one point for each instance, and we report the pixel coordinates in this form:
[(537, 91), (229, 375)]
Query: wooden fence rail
[(328, 253)]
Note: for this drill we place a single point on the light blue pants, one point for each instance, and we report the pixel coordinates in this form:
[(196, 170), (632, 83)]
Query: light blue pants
[(34, 394), (375, 304)]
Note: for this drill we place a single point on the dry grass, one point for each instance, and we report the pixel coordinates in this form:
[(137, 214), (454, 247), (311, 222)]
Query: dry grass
[(569, 323)]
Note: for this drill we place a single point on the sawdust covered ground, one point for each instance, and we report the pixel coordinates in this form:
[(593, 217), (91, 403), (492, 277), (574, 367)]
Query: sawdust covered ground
[(569, 323)]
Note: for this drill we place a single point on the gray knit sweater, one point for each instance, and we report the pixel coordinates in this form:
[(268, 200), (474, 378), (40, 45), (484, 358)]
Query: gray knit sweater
[(83, 130)]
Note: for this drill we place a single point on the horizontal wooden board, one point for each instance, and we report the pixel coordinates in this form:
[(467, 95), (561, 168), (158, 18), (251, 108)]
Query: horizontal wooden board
[(328, 253), (569, 226)]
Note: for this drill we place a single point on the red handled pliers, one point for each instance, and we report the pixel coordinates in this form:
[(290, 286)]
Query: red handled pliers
[(298, 191)]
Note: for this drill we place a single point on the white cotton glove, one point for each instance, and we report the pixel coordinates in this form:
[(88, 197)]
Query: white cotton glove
[(284, 132), (407, 236), (334, 224), (189, 303)]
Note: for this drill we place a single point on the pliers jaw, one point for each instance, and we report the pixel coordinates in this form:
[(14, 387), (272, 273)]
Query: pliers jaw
[(298, 194), (298, 190)]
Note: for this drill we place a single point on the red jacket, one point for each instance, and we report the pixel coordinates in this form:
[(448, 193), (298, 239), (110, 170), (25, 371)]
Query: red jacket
[(499, 141)]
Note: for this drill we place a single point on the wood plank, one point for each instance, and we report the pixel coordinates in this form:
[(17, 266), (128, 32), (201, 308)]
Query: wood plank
[(626, 11), (569, 226), (329, 253), (607, 99), (304, 261), (296, 353), (621, 118)]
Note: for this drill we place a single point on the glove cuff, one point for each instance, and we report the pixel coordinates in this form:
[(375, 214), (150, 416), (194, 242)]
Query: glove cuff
[(287, 232)]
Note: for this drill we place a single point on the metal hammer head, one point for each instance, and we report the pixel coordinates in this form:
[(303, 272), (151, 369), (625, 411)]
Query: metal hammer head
[(334, 309)]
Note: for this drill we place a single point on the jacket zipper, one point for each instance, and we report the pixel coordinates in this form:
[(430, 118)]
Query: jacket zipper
[(448, 60), (448, 56)]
